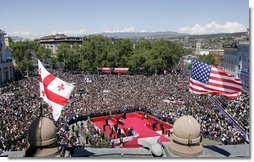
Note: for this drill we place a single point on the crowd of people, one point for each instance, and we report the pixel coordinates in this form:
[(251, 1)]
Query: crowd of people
[(166, 97), (237, 108)]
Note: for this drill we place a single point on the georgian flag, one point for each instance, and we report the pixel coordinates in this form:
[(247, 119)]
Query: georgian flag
[(54, 91)]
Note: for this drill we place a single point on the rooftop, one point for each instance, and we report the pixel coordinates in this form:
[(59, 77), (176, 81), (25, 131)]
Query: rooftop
[(210, 151)]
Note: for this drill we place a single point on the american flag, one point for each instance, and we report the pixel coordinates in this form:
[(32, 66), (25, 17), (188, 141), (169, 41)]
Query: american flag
[(208, 79)]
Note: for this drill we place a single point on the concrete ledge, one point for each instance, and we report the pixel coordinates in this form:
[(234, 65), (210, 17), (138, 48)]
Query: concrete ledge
[(185, 151)]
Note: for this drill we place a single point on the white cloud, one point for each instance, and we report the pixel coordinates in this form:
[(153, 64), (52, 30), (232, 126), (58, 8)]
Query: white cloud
[(214, 27), (80, 32), (130, 29)]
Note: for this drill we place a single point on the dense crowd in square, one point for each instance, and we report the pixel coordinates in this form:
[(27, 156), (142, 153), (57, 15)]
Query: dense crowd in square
[(166, 97)]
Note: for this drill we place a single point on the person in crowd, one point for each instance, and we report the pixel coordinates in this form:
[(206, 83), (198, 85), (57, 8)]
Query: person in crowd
[(162, 128)]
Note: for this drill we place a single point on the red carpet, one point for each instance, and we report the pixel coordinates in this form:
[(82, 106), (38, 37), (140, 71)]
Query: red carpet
[(135, 120)]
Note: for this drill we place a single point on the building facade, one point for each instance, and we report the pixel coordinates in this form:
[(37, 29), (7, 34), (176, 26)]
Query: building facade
[(53, 41), (243, 48), (6, 65), (236, 61), (231, 59), (198, 48)]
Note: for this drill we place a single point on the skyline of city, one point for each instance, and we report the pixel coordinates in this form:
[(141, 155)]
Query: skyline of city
[(35, 19)]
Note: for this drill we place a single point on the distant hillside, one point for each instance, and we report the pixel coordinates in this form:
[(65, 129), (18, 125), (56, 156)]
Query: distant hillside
[(18, 38), (140, 35), (150, 35), (217, 35)]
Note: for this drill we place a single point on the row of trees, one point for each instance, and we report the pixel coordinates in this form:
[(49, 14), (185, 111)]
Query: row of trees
[(25, 53), (143, 57), (209, 59)]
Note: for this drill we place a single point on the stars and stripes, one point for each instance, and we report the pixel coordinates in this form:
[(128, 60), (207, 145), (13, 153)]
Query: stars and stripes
[(54, 91), (208, 79)]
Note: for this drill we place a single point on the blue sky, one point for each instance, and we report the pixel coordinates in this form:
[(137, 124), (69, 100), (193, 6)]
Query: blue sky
[(79, 17)]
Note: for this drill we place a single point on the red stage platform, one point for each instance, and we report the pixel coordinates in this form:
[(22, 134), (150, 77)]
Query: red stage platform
[(143, 127)]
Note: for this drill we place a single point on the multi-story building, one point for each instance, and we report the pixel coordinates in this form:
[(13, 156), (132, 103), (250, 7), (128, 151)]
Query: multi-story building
[(236, 61), (53, 41), (6, 65), (217, 53), (243, 48), (198, 48), (231, 59)]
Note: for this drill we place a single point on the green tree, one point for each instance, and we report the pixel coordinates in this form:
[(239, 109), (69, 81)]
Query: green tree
[(124, 49), (22, 53), (143, 57), (62, 54), (43, 53), (209, 59), (95, 52)]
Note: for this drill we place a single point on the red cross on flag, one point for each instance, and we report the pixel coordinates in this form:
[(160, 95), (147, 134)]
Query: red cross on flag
[(53, 90)]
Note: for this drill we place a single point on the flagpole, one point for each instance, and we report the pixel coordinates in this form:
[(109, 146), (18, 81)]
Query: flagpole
[(40, 123), (191, 108), (189, 97), (188, 104), (41, 114)]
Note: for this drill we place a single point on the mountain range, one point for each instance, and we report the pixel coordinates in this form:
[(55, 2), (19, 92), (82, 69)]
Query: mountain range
[(149, 35), (140, 35)]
